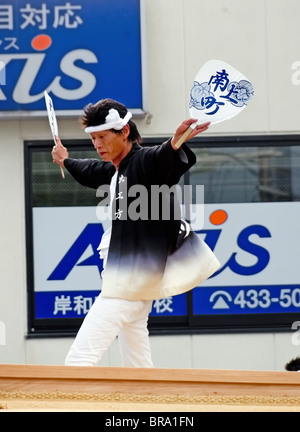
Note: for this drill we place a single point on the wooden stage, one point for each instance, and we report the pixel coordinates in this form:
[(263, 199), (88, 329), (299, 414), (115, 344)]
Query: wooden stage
[(39, 387)]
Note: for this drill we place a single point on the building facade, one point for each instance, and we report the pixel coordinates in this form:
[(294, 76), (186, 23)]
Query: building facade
[(249, 166)]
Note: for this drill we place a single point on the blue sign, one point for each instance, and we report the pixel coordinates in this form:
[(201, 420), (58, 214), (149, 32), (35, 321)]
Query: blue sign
[(62, 302), (76, 304), (249, 281), (78, 51), (246, 300)]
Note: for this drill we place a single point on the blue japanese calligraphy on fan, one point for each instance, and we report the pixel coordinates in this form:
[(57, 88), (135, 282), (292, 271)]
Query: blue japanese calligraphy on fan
[(219, 92)]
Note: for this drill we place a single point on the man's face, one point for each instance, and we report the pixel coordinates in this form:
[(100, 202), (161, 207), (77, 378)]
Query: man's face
[(110, 146)]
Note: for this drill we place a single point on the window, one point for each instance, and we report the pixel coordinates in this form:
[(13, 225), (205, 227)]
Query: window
[(251, 212)]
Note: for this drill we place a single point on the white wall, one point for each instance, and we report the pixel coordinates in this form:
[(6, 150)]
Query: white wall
[(246, 351), (260, 38)]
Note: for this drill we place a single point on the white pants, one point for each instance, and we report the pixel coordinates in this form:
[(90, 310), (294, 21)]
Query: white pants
[(107, 319)]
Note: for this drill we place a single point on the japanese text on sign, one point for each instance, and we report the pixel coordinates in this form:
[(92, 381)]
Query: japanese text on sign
[(81, 305), (66, 16), (212, 95)]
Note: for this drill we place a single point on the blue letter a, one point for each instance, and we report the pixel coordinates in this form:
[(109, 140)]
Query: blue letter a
[(91, 235)]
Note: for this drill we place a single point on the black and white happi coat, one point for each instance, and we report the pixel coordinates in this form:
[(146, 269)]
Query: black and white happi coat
[(144, 262)]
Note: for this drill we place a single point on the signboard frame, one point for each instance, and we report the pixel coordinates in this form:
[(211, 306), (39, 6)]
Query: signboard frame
[(12, 47), (191, 322)]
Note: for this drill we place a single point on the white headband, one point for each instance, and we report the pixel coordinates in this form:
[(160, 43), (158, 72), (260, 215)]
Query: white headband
[(112, 121)]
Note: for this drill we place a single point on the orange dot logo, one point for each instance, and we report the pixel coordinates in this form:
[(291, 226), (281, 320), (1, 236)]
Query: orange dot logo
[(218, 217), (41, 42)]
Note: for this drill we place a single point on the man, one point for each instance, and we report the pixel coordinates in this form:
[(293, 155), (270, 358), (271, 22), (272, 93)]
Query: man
[(135, 249)]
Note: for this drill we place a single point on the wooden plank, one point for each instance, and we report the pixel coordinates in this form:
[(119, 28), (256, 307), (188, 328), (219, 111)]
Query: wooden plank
[(139, 381), (151, 374)]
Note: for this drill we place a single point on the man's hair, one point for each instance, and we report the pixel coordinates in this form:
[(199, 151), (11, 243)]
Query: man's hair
[(95, 114), (293, 365)]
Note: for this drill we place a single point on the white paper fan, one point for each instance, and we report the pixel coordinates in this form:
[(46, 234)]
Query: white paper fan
[(219, 92)]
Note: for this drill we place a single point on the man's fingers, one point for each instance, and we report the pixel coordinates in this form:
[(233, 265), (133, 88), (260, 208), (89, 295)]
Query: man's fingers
[(58, 141), (203, 125), (199, 128), (186, 131)]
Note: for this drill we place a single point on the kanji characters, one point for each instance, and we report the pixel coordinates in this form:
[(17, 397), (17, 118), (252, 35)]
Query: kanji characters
[(63, 16), (210, 96), (33, 17), (79, 304), (6, 17), (163, 305)]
